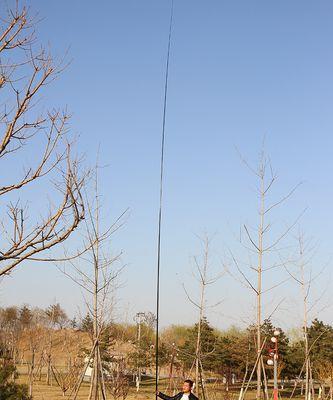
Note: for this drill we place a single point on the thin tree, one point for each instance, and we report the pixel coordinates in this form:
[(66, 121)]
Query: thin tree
[(55, 316), (96, 272), (204, 278), (301, 273), (257, 242), (35, 335)]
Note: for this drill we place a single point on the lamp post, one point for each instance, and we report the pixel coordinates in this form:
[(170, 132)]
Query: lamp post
[(139, 317), (273, 352)]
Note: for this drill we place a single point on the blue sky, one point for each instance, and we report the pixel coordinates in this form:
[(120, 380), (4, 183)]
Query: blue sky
[(239, 71)]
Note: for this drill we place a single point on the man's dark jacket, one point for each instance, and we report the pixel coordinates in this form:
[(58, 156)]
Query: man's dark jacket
[(177, 397)]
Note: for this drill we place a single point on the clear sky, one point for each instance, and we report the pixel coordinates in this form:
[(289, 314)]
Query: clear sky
[(239, 71)]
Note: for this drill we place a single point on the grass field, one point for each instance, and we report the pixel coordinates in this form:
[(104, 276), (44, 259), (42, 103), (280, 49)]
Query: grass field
[(44, 392)]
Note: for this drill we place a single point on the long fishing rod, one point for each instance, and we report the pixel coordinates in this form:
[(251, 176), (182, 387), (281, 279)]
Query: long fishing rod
[(161, 200)]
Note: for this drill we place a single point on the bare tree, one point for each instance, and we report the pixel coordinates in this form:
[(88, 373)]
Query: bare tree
[(305, 285), (259, 242), (35, 335), (204, 277), (301, 273), (67, 379), (27, 130), (95, 272), (118, 385), (55, 316)]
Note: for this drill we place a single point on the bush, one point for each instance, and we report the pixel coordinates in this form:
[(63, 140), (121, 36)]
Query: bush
[(10, 390)]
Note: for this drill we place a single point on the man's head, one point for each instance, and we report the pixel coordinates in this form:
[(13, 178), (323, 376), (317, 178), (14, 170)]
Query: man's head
[(187, 386)]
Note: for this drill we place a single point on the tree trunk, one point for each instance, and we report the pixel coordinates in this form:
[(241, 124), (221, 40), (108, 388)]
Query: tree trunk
[(259, 280), (31, 373)]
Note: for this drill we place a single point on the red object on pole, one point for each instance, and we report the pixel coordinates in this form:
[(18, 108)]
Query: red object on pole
[(275, 394)]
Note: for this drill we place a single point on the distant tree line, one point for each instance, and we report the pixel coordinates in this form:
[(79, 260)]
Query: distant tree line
[(226, 355)]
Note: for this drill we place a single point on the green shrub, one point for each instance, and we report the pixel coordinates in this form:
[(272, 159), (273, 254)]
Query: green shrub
[(10, 390)]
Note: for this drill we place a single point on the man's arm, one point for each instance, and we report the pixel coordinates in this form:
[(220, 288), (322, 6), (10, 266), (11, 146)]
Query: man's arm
[(166, 397)]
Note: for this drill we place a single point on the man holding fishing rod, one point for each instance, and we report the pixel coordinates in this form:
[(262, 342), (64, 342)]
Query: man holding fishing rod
[(185, 394)]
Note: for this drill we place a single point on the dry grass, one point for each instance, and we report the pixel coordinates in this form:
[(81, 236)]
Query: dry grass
[(44, 392), (41, 391)]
